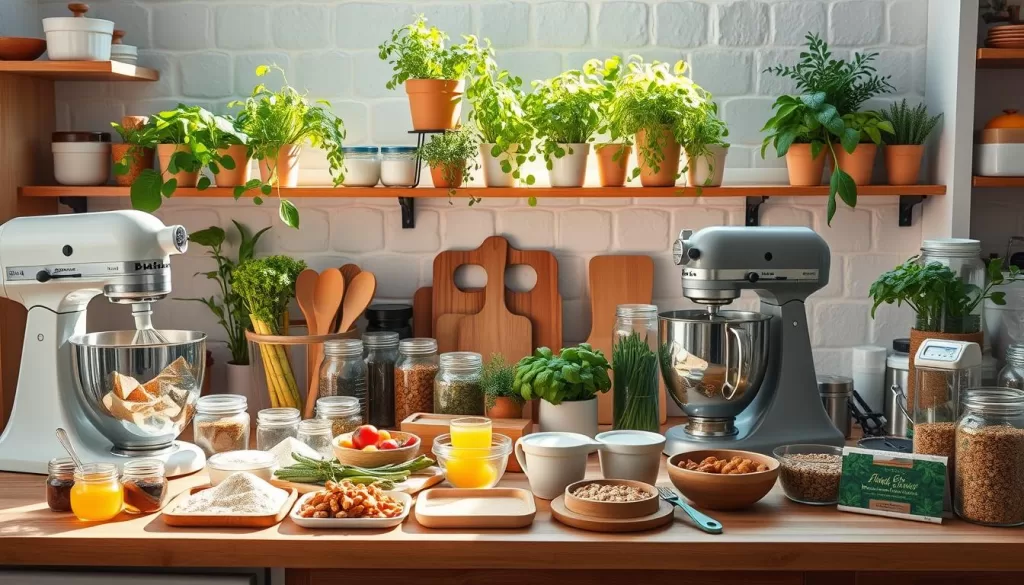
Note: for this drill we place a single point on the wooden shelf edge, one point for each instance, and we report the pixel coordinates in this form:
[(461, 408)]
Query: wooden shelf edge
[(997, 181), (991, 58), (80, 70)]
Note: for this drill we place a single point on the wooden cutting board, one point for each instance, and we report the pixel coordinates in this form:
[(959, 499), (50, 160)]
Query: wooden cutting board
[(614, 281), (423, 312)]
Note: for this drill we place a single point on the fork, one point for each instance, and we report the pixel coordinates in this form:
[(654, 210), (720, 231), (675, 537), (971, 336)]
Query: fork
[(703, 521)]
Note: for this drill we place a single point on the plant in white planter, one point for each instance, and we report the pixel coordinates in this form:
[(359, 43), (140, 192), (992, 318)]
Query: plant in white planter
[(567, 384), (506, 135), (703, 139)]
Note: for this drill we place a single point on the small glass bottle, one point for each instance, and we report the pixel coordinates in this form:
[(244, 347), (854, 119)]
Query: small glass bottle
[(1012, 374), (343, 372), (96, 495), (635, 343), (274, 425), (144, 485), (457, 388), (316, 433), (343, 412), (989, 473), (415, 371), (221, 423), (381, 355), (59, 481)]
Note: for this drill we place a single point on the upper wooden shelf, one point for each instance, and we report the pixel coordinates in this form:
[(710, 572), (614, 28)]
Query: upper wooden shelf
[(80, 70), (998, 181), (1000, 58)]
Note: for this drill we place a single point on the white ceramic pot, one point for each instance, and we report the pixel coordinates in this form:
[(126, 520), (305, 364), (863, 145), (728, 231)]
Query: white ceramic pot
[(999, 160), (76, 38), (552, 461), (81, 158), (634, 455), (569, 417), (239, 382), (703, 168), (571, 169), (493, 175)]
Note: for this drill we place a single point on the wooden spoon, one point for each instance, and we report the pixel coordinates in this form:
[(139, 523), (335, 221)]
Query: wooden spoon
[(359, 296), (330, 288), (349, 271)]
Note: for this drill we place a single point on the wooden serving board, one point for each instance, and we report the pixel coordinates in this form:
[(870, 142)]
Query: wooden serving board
[(220, 521), (417, 482), (505, 508), (663, 516), (428, 426)]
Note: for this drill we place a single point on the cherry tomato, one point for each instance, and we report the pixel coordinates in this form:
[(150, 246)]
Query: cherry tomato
[(364, 436), (389, 445)]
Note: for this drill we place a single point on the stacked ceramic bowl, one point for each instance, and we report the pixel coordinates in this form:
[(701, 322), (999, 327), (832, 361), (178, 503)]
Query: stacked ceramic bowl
[(77, 38), (999, 148)]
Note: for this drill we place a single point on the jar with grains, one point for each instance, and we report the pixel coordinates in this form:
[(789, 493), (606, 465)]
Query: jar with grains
[(59, 481), (414, 377), (381, 355), (343, 412), (343, 372), (274, 425), (221, 423), (316, 433), (144, 485), (457, 387), (1012, 374), (989, 475)]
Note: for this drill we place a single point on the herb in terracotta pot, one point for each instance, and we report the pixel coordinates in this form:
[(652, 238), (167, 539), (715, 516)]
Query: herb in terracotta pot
[(567, 384), (505, 133), (703, 138), (136, 151), (905, 148), (858, 159), (499, 397), (612, 157), (450, 156)]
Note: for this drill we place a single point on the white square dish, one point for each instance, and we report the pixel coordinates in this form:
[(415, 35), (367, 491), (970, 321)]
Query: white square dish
[(403, 498)]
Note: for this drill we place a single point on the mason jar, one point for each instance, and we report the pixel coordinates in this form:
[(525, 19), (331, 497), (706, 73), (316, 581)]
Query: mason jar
[(415, 371), (398, 166), (316, 434), (343, 412), (963, 257), (362, 166), (457, 387), (144, 486), (60, 479), (274, 425), (989, 472), (343, 372), (221, 423), (1012, 374), (96, 495), (381, 355), (634, 362)]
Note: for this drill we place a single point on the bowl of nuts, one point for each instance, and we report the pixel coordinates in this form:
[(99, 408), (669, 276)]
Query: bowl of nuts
[(723, 479), (811, 473)]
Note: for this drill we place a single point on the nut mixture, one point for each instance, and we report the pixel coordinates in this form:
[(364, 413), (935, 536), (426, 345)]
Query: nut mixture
[(812, 477), (598, 492), (989, 475), (350, 500), (414, 390), (936, 438), (734, 466)]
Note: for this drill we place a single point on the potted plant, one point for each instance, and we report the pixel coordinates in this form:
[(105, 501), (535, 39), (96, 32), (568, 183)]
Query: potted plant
[(433, 73), (612, 156), (704, 142), (231, 144), (277, 123), (136, 152), (904, 151), (449, 155), (228, 308), (567, 385), (499, 397), (505, 133), (857, 159)]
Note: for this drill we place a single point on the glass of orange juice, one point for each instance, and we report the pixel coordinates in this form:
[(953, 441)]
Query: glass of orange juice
[(471, 433)]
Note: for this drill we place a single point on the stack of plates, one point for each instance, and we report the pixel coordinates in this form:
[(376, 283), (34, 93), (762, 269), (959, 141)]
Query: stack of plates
[(1008, 36)]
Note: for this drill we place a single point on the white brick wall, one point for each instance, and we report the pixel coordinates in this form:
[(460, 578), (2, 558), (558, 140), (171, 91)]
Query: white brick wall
[(207, 50)]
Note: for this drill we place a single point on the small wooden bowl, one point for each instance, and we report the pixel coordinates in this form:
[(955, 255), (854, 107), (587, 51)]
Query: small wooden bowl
[(612, 510), (723, 492), (361, 458), (21, 48)]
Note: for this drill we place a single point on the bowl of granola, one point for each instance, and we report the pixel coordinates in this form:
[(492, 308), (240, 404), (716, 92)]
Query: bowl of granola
[(723, 479), (617, 499)]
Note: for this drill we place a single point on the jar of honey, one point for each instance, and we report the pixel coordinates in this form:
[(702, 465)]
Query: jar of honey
[(96, 495)]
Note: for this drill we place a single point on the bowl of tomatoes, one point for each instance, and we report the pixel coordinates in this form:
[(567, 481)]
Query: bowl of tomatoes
[(368, 446)]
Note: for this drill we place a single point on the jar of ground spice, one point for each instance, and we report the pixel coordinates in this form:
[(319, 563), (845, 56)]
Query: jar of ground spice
[(221, 423), (343, 372), (274, 425), (414, 377), (59, 481), (989, 475), (145, 487), (381, 355), (343, 412), (457, 388)]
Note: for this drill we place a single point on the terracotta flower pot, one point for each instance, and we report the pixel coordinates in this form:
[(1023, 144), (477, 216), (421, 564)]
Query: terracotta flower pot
[(493, 175), (903, 163), (505, 407), (804, 171), (164, 153), (287, 164), (611, 169), (707, 170), (668, 166), (859, 164), (140, 160), (435, 104), (240, 174), (448, 176)]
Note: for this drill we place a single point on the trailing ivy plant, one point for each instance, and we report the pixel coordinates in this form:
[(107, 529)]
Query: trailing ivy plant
[(416, 51), (910, 125), (454, 152), (499, 116)]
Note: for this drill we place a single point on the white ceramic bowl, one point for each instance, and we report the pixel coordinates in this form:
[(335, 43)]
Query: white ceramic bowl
[(634, 455), (222, 465), (78, 39), (345, 523), (999, 160), (81, 163)]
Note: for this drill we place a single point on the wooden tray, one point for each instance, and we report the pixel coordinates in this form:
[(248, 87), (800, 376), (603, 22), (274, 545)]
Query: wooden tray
[(428, 426), (612, 510), (416, 483), (477, 508), (208, 520), (663, 516)]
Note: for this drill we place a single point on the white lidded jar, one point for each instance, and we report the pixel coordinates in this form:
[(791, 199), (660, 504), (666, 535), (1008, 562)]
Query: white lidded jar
[(77, 38), (398, 166), (362, 166), (81, 158)]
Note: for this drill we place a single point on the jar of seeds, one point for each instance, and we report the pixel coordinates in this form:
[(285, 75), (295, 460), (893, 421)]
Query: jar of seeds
[(343, 412), (414, 377), (457, 388), (381, 355), (274, 425), (221, 423), (989, 475), (343, 372)]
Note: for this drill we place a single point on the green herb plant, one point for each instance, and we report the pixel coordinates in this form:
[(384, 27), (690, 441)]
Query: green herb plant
[(577, 373), (499, 116), (910, 125), (497, 381), (700, 132), (417, 51), (635, 397), (454, 152), (275, 119), (229, 309)]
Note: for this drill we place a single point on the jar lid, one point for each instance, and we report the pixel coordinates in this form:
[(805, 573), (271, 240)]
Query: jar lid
[(389, 312), (337, 405), (636, 311), (901, 345), (383, 339), (891, 444), (61, 465), (278, 416), (344, 347), (221, 404), (398, 150), (80, 137), (144, 467), (315, 425), (360, 149), (994, 400), (417, 345), (952, 246), (1010, 118), (96, 472), (830, 385), (461, 360)]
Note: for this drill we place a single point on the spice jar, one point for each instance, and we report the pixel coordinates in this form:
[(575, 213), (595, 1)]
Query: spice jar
[(390, 317), (635, 367), (316, 434), (221, 423), (989, 474), (1012, 374), (343, 412), (414, 377), (457, 388), (144, 485), (96, 495), (398, 166), (59, 481), (274, 425), (381, 355), (343, 372), (362, 166)]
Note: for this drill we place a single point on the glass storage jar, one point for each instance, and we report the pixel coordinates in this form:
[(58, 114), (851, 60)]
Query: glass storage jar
[(343, 372), (989, 473), (144, 485), (221, 423), (362, 166), (398, 166), (1012, 374), (343, 412), (316, 433), (457, 388), (59, 481), (390, 317), (96, 495), (414, 377), (381, 355), (274, 425), (634, 362), (963, 257)]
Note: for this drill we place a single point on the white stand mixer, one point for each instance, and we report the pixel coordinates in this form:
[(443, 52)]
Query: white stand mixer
[(54, 265)]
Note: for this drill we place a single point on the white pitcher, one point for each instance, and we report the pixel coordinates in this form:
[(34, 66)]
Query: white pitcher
[(552, 461)]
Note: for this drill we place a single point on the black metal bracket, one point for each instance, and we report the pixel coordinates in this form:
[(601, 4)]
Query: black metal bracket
[(754, 211), (77, 204), (408, 212), (406, 203), (907, 203)]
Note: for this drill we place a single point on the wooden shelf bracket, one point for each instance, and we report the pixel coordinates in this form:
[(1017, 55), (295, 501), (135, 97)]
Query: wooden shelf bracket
[(753, 215), (907, 203), (77, 204), (408, 205)]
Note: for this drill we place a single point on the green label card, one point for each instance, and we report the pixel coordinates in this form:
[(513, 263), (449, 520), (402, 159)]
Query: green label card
[(900, 485)]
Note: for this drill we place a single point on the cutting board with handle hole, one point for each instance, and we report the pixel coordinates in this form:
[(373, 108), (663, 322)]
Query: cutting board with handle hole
[(614, 281)]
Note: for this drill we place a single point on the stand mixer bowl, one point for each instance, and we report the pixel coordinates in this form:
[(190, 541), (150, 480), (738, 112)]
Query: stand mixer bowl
[(155, 413), (713, 363)]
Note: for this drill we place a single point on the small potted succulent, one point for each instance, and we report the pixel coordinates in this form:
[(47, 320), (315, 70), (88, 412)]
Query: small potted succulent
[(137, 149), (704, 142), (905, 149), (451, 156), (501, 122), (501, 400), (567, 384)]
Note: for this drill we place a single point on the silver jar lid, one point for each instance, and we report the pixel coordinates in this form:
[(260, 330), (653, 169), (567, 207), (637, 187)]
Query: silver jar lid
[(344, 347), (831, 385), (636, 311), (418, 346), (380, 339), (461, 361), (958, 247)]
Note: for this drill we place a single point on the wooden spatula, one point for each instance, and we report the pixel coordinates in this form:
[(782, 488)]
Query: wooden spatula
[(330, 288)]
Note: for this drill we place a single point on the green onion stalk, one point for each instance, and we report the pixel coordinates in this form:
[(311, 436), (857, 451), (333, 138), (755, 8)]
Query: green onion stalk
[(319, 471), (635, 394)]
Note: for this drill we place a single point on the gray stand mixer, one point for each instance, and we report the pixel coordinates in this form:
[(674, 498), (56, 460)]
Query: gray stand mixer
[(745, 379)]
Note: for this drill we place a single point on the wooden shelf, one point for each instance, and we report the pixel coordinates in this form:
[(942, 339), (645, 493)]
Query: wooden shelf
[(1000, 58), (80, 70), (998, 181)]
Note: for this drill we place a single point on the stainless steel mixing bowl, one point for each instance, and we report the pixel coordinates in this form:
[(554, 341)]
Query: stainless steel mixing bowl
[(713, 364), (149, 421)]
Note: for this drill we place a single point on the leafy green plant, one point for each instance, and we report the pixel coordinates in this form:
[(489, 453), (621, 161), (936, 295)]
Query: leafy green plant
[(700, 132), (497, 381), (417, 51), (454, 152), (229, 309), (577, 373), (566, 109), (910, 125), (275, 119), (869, 126), (499, 116)]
